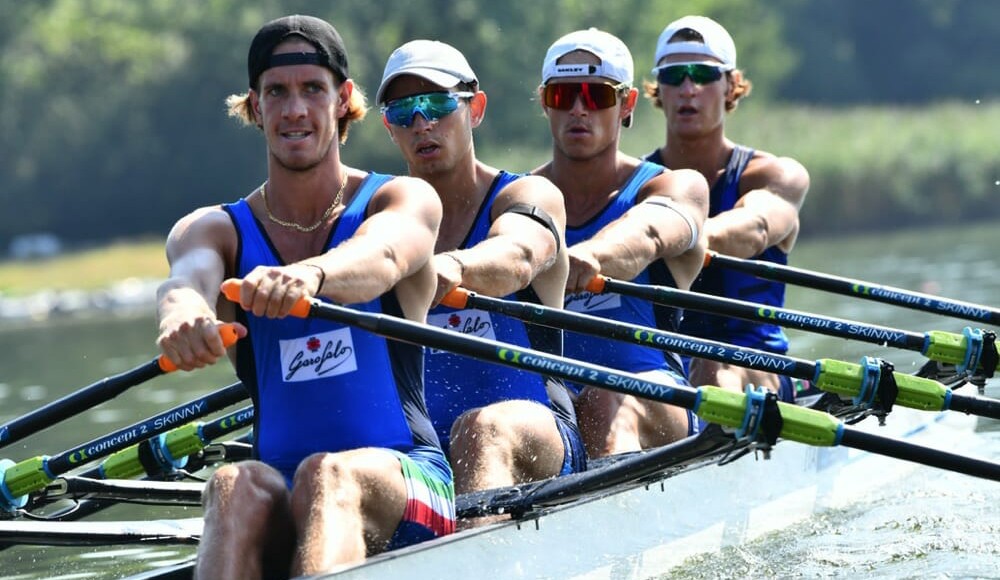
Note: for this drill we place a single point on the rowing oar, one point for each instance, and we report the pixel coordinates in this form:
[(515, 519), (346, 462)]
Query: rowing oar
[(742, 411), (857, 288), (865, 382), (31, 475), (970, 352), (92, 395)]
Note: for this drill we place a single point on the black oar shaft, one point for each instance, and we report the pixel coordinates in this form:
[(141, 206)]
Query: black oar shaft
[(659, 339), (108, 444), (76, 402), (859, 289), (858, 439), (508, 355), (770, 315)]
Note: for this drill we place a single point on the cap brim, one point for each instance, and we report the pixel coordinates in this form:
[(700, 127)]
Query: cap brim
[(440, 78)]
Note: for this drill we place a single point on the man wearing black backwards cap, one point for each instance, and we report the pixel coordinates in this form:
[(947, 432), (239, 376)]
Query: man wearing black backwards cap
[(501, 235), (755, 196), (348, 462), (625, 219)]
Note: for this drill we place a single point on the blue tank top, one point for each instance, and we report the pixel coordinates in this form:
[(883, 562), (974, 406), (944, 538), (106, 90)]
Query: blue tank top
[(731, 284), (455, 384), (322, 386), (611, 353)]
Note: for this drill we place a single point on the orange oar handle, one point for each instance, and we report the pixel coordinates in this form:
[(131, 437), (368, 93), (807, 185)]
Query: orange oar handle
[(457, 298), (229, 338), (231, 290), (596, 285), (708, 259)]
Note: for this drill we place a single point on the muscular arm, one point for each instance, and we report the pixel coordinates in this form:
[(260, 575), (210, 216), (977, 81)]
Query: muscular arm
[(767, 214), (646, 232), (518, 250), (392, 247), (198, 248)]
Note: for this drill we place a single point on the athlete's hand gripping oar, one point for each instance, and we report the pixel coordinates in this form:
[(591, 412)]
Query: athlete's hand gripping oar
[(710, 403), (92, 395), (857, 288), (866, 383), (968, 352), (31, 475)]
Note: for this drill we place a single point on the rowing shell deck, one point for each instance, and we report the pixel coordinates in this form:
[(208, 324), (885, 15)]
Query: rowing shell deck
[(641, 530)]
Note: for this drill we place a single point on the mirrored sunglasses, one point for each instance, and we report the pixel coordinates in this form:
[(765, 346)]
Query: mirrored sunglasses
[(699, 74), (432, 106), (595, 95)]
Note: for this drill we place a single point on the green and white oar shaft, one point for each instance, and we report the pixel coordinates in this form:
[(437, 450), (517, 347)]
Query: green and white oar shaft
[(860, 382), (710, 403), (17, 480), (169, 450), (964, 351)]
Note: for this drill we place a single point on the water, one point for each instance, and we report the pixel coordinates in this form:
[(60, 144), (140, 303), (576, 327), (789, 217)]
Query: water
[(932, 525)]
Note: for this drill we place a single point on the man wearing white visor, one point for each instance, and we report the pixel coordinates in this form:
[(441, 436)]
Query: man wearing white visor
[(501, 236), (755, 197), (626, 219)]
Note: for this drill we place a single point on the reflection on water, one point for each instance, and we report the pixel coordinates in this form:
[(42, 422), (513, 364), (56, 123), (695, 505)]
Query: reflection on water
[(44, 362), (914, 530)]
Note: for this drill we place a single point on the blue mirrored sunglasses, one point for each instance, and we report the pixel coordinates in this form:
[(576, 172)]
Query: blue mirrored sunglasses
[(432, 106), (700, 74)]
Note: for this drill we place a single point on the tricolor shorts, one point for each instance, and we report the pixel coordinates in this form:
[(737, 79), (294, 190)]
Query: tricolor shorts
[(430, 497)]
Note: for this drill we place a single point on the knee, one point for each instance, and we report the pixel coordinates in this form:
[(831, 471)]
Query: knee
[(247, 487), (486, 426), (320, 476)]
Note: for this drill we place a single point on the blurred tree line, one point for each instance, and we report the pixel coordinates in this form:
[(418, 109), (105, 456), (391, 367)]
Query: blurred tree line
[(112, 121)]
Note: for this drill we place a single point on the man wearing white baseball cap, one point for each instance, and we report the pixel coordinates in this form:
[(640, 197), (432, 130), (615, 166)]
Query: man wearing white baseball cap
[(502, 236), (755, 196), (626, 219)]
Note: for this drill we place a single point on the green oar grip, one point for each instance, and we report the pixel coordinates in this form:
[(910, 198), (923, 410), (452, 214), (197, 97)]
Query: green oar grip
[(840, 377), (26, 477), (920, 393), (798, 423), (180, 442), (946, 347)]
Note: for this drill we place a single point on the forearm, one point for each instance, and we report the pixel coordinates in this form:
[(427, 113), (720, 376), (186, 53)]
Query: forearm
[(498, 268), (356, 272), (739, 232)]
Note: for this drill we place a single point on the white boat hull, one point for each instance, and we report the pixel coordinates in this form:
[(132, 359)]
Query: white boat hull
[(641, 532)]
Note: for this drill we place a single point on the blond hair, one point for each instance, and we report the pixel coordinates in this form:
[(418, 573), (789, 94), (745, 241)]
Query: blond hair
[(357, 107)]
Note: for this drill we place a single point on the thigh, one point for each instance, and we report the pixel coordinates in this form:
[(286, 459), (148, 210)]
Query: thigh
[(527, 428)]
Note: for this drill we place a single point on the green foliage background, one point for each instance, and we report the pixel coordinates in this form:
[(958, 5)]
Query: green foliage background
[(112, 121)]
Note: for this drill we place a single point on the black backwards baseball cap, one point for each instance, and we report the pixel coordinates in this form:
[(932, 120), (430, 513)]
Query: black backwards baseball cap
[(330, 51)]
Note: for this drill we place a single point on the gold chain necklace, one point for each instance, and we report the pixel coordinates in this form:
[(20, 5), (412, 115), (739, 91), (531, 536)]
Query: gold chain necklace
[(305, 229)]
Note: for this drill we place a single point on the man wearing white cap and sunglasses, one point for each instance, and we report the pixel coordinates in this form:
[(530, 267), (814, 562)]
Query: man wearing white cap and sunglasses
[(501, 235), (755, 196), (626, 219)]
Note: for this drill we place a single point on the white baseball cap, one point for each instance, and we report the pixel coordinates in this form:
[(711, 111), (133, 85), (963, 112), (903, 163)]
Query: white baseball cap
[(437, 62), (718, 44), (616, 60)]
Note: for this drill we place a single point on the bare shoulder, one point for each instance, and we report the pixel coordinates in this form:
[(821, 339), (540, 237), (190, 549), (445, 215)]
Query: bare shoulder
[(684, 186), (533, 190), (782, 176), (403, 193), (207, 226)]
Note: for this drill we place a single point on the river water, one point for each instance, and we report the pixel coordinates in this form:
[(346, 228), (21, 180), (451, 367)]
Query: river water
[(932, 525)]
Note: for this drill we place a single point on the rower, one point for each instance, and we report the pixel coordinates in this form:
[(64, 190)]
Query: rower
[(501, 235), (626, 219), (348, 463), (755, 196)]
